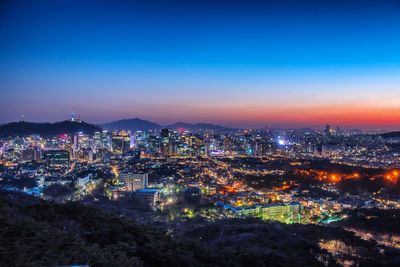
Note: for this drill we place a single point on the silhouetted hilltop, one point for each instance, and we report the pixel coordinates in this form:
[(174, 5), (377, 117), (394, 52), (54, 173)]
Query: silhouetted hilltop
[(47, 129), (139, 124), (131, 124), (391, 135), (197, 126)]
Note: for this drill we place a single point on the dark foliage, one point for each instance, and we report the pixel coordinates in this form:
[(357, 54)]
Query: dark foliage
[(391, 135), (58, 190), (46, 129), (19, 183), (374, 220), (38, 233)]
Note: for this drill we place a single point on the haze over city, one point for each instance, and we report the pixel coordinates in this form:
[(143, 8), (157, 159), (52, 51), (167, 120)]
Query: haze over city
[(234, 63)]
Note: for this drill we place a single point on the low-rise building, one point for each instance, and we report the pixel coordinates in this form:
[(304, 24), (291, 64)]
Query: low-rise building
[(149, 196)]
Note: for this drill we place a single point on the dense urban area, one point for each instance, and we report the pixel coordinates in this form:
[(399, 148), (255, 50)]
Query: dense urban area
[(203, 195)]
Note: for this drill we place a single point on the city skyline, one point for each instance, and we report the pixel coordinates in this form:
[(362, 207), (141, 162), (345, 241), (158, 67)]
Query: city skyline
[(231, 63)]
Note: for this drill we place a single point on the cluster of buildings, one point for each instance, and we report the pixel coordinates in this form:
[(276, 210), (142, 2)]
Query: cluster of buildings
[(133, 183), (157, 167), (350, 147)]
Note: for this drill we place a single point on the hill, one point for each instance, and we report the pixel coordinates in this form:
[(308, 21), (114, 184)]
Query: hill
[(139, 124), (38, 233), (131, 124), (47, 129), (391, 135)]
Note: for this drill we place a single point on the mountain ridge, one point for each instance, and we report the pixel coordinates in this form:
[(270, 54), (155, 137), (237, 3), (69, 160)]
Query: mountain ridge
[(47, 129), (131, 124), (140, 124), (197, 126)]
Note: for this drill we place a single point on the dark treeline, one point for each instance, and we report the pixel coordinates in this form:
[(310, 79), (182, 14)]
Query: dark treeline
[(38, 233)]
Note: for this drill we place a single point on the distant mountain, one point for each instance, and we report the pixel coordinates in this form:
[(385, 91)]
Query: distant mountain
[(391, 135), (198, 126), (131, 124), (47, 129), (139, 124)]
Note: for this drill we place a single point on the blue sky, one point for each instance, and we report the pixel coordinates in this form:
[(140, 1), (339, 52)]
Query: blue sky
[(239, 63)]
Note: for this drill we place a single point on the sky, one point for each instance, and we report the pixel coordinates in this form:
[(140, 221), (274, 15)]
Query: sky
[(287, 63)]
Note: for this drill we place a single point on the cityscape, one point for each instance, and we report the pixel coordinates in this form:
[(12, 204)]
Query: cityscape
[(175, 175), (163, 134)]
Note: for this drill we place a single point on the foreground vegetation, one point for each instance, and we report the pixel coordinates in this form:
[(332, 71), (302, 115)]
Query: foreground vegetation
[(38, 233)]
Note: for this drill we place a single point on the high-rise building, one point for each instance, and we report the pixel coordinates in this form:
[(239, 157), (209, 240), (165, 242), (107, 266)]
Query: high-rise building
[(228, 143), (327, 134), (166, 145), (80, 141), (154, 143), (308, 146), (75, 144), (37, 154), (165, 133), (101, 140), (121, 142), (57, 157), (133, 181)]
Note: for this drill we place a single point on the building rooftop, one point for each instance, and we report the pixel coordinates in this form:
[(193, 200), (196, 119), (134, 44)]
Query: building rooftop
[(147, 190)]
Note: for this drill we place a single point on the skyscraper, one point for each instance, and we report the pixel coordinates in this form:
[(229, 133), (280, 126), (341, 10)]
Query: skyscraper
[(165, 142), (121, 142), (75, 145)]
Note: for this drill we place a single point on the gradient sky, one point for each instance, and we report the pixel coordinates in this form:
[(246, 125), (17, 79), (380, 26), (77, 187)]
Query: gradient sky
[(288, 63)]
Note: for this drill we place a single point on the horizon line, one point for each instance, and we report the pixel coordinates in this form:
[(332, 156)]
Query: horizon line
[(315, 128)]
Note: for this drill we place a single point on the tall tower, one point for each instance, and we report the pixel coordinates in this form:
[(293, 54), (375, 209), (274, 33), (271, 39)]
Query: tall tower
[(73, 115), (266, 132)]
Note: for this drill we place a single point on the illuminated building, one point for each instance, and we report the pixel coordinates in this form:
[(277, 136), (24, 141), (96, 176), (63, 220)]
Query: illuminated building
[(308, 146), (121, 142), (37, 154), (84, 141), (75, 146), (227, 143), (101, 140), (58, 157), (88, 155), (103, 154), (133, 181), (283, 212), (154, 143), (139, 139), (82, 182), (166, 145)]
